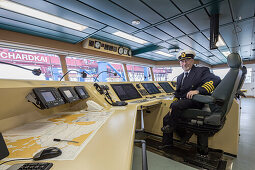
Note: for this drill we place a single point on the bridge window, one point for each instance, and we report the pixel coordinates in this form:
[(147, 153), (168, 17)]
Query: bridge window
[(166, 73), (48, 63), (96, 70), (248, 76), (221, 72), (138, 73)]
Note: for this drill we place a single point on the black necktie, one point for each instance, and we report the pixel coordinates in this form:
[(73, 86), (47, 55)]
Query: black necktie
[(184, 78)]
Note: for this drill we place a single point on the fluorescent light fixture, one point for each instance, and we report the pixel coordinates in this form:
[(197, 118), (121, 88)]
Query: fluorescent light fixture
[(226, 53), (163, 53), (15, 7), (220, 42), (130, 37)]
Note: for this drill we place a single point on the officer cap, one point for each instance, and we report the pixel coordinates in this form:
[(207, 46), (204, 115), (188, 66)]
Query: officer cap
[(186, 54)]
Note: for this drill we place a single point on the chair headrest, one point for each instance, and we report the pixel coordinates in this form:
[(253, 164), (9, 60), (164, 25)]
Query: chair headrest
[(234, 60)]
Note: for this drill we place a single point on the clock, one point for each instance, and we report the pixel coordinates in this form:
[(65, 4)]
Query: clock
[(97, 44), (125, 51), (120, 50)]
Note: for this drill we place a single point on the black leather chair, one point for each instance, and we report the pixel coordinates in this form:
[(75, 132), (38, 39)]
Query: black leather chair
[(208, 121), (239, 92)]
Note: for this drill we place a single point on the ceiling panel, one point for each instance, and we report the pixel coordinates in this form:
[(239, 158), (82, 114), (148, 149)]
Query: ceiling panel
[(118, 40), (200, 19), (160, 34), (147, 37), (84, 10), (140, 10), (41, 31), (116, 11), (163, 7), (243, 8), (188, 41), (35, 33), (44, 24), (201, 39), (244, 31), (224, 11), (227, 33), (218, 55), (185, 5), (179, 44), (185, 25), (61, 12), (170, 29), (166, 45)]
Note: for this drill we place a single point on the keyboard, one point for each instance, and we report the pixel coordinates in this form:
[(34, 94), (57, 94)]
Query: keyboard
[(31, 166)]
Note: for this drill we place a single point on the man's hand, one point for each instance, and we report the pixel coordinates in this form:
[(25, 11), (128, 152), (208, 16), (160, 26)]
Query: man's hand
[(191, 93)]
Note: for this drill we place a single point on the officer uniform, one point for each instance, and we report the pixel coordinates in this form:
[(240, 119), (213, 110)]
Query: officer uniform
[(198, 78)]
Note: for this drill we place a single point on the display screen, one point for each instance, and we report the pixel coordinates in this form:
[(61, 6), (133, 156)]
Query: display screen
[(126, 91), (81, 92), (151, 88), (48, 96), (68, 93), (166, 86)]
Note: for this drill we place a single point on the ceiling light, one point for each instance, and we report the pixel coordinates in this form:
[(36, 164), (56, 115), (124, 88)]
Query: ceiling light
[(220, 42), (226, 53), (136, 22), (11, 6), (163, 53), (130, 37)]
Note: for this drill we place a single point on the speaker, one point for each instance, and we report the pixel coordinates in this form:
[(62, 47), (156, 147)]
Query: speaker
[(3, 148)]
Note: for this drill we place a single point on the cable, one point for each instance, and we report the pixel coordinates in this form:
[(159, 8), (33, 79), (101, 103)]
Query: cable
[(16, 160), (115, 74), (84, 75), (36, 72)]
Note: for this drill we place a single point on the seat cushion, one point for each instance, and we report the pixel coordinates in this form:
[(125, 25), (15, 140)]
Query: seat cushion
[(194, 113)]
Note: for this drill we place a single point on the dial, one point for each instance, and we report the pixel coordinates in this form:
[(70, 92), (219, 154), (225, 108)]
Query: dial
[(97, 44), (129, 52), (120, 50), (125, 51)]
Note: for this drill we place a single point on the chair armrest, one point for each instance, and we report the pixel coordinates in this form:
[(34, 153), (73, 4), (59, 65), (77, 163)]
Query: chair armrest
[(203, 98)]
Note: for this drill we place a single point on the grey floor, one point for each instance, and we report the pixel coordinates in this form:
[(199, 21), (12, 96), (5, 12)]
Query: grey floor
[(246, 154)]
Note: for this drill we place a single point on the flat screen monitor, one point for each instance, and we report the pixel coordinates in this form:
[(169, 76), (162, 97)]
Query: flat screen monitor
[(166, 87), (48, 96), (126, 91), (81, 91), (151, 88), (68, 94)]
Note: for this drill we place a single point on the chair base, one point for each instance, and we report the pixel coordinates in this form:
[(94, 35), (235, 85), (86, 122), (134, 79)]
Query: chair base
[(187, 154), (211, 161)]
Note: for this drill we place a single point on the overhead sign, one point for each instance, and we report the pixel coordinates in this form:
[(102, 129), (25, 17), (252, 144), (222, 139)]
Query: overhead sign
[(102, 46)]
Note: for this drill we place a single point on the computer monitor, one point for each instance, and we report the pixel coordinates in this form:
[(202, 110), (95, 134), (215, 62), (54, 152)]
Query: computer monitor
[(126, 91), (166, 87), (68, 94), (81, 91), (151, 88)]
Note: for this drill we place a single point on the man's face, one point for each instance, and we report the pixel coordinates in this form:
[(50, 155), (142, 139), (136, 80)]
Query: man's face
[(187, 64)]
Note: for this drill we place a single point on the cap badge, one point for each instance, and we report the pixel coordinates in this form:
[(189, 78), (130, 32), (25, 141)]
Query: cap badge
[(183, 54)]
